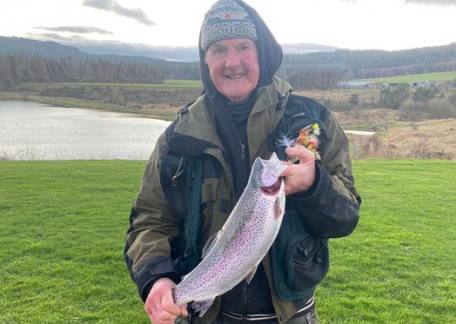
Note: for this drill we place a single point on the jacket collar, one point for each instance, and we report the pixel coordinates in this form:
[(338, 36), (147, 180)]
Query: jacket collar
[(197, 126)]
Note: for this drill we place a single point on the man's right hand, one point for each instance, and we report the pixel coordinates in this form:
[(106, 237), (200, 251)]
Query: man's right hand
[(160, 306)]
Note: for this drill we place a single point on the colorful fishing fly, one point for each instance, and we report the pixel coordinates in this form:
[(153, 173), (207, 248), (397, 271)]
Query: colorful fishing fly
[(307, 137)]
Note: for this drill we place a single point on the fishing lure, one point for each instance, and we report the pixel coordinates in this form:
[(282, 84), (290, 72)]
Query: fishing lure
[(307, 137)]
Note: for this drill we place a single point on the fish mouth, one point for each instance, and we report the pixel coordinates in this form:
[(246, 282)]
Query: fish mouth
[(273, 189)]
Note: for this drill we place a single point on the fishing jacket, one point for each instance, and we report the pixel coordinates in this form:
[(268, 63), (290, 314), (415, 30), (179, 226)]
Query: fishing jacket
[(158, 240)]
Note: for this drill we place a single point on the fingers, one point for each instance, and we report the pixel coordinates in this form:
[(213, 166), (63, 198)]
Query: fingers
[(299, 177), (160, 306), (163, 311), (301, 153), (183, 309), (165, 318), (168, 304), (290, 170)]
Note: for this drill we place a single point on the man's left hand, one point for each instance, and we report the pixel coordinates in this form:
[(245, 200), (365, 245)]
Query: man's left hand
[(299, 177)]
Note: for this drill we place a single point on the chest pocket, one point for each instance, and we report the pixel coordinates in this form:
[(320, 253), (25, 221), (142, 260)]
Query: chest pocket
[(212, 174), (175, 176), (299, 115)]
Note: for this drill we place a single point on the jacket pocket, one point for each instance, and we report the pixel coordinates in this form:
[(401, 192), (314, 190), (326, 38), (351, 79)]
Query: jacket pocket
[(308, 263), (299, 261)]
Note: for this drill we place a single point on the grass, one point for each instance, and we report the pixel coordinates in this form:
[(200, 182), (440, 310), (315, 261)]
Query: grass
[(37, 86), (410, 78), (400, 264), (63, 101), (63, 225)]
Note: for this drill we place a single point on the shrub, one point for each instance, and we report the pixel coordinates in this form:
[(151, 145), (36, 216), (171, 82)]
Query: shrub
[(452, 98), (441, 108), (394, 96), (438, 108), (354, 99), (424, 94), (412, 111)]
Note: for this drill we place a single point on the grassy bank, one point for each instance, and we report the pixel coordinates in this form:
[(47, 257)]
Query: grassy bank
[(161, 101), (63, 226), (410, 78)]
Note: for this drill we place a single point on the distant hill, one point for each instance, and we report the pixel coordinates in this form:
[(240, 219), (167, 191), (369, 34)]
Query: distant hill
[(54, 50), (76, 49), (316, 66), (327, 69), (375, 59), (179, 53), (49, 49), (17, 45), (26, 60)]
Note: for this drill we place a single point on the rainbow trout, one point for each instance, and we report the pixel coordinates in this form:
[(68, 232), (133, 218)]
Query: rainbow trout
[(235, 252)]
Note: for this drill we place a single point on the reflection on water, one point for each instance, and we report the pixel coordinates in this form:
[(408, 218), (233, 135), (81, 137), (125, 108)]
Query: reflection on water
[(31, 131)]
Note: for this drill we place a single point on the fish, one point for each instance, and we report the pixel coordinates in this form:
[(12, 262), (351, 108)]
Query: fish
[(235, 252)]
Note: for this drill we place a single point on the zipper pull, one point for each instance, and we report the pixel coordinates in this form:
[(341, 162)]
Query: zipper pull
[(242, 151), (179, 171)]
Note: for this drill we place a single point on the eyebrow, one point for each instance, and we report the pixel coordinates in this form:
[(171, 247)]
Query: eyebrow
[(219, 46)]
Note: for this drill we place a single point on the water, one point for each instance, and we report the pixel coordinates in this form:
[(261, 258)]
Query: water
[(32, 131)]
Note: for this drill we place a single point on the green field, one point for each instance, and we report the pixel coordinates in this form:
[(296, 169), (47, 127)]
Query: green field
[(63, 226), (410, 78), (167, 84)]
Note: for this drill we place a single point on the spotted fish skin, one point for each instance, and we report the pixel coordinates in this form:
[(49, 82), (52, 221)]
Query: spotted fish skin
[(243, 241)]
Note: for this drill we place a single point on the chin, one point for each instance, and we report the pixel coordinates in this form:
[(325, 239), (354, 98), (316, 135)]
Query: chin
[(237, 96)]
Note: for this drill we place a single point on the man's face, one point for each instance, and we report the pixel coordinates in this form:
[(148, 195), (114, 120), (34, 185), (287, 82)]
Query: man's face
[(233, 67)]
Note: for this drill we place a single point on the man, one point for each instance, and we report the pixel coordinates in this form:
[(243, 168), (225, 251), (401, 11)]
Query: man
[(241, 115)]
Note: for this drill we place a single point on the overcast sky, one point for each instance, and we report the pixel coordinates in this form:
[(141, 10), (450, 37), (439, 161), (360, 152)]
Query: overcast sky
[(353, 24)]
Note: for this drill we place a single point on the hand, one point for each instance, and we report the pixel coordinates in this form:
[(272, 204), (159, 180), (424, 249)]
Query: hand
[(160, 306), (299, 177)]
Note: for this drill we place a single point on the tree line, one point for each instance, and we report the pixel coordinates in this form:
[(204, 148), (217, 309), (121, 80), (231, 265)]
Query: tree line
[(325, 69), (18, 68), (322, 70)]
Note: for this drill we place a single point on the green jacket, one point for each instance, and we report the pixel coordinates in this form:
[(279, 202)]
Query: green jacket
[(155, 224)]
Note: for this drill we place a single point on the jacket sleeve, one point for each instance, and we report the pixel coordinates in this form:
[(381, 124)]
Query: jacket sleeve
[(152, 226), (330, 208)]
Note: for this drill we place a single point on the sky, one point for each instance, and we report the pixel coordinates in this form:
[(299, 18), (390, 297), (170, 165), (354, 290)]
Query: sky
[(351, 24)]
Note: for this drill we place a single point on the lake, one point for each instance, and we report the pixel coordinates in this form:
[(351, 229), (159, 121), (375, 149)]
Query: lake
[(33, 131)]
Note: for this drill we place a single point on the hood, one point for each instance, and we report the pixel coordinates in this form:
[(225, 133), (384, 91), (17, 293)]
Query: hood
[(269, 54)]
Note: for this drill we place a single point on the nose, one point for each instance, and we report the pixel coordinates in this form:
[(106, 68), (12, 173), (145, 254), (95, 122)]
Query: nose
[(232, 59)]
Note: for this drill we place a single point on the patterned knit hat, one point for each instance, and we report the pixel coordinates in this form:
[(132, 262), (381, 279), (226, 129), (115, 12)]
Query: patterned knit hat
[(226, 20)]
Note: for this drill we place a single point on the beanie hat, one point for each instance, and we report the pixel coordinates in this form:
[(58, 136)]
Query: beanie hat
[(226, 19)]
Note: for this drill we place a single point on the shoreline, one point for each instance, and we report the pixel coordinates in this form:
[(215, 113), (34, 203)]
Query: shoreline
[(165, 114), (398, 140), (157, 101)]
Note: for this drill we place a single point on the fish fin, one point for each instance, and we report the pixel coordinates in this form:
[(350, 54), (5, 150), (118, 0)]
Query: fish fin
[(202, 306), (209, 244), (250, 275), (278, 210)]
